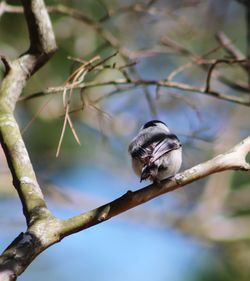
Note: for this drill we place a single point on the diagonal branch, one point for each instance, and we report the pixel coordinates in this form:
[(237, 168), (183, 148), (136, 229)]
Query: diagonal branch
[(49, 230), (228, 45), (234, 159)]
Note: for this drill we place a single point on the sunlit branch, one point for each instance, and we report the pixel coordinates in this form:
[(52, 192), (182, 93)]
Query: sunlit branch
[(42, 46), (17, 73), (48, 230), (137, 83), (234, 159), (107, 36)]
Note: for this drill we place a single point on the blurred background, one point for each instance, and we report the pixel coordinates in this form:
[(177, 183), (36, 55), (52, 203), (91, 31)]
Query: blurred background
[(200, 232)]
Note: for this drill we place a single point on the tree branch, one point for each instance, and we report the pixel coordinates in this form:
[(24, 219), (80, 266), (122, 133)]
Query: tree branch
[(42, 46), (49, 230), (141, 82), (220, 61), (234, 159), (17, 72), (228, 45), (44, 229), (247, 7), (225, 43), (108, 36)]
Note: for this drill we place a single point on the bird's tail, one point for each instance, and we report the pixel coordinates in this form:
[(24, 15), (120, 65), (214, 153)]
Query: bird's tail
[(149, 172)]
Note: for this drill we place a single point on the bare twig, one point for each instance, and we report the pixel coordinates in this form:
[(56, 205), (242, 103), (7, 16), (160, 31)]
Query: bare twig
[(109, 37), (106, 35), (237, 85), (73, 80), (63, 130), (36, 116), (141, 82), (220, 61), (6, 8), (179, 70), (168, 42), (228, 45), (225, 43), (247, 7)]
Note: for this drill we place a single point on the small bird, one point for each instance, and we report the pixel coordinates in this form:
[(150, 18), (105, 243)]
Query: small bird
[(156, 153)]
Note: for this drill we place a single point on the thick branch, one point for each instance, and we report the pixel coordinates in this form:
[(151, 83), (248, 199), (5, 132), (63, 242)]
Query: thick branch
[(234, 159), (42, 40), (42, 46), (48, 230), (23, 250), (43, 229), (24, 178)]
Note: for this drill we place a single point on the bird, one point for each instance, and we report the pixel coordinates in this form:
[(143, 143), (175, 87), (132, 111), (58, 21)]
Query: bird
[(156, 153)]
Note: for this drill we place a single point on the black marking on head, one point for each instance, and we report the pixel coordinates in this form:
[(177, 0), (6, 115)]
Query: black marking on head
[(172, 137), (152, 123)]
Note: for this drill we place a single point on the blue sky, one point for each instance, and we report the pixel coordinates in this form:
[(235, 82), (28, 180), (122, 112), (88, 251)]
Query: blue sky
[(119, 249)]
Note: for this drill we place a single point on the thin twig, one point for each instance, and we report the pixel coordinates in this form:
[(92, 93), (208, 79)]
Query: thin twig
[(225, 43), (168, 42), (76, 78), (220, 61), (178, 70), (140, 83), (36, 115), (62, 134), (228, 45)]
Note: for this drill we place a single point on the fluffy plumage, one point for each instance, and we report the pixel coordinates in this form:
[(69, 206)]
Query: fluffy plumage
[(156, 152)]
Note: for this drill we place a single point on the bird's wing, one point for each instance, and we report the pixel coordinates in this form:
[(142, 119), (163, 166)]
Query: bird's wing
[(151, 149), (144, 145), (167, 144)]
